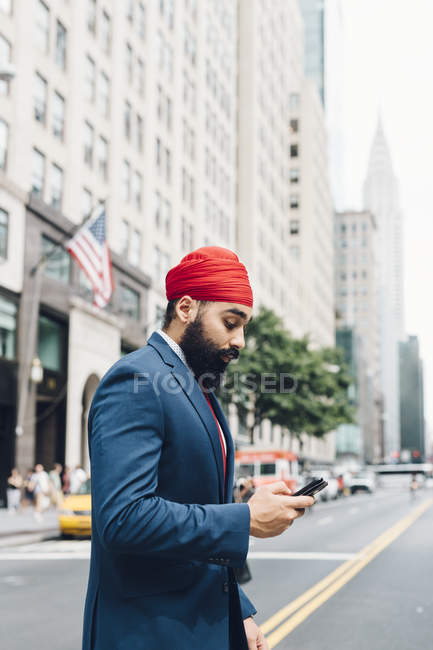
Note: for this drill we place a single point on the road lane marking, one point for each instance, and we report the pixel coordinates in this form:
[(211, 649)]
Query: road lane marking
[(289, 555), (325, 520), (314, 597)]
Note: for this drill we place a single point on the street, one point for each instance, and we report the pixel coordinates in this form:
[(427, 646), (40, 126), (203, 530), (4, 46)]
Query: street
[(381, 598)]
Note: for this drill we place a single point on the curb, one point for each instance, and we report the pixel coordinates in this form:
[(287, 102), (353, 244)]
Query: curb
[(27, 537)]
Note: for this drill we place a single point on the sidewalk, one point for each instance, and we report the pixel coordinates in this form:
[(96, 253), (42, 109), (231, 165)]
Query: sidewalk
[(24, 528)]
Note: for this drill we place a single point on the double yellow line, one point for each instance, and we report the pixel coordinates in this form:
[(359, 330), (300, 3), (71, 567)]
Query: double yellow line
[(299, 609)]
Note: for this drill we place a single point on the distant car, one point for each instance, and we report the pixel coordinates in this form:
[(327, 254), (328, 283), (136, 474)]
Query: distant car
[(75, 513), (362, 482)]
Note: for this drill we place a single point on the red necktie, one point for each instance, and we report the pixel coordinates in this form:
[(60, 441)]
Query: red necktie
[(220, 435)]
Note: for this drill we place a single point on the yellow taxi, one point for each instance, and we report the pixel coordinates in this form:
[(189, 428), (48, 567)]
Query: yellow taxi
[(75, 513)]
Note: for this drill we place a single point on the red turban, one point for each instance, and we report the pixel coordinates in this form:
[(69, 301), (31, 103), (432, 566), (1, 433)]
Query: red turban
[(210, 273)]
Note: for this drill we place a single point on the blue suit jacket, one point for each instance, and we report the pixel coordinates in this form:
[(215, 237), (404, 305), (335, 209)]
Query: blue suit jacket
[(165, 535)]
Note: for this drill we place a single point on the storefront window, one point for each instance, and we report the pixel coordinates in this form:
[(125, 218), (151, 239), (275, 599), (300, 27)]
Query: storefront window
[(50, 344), (8, 329)]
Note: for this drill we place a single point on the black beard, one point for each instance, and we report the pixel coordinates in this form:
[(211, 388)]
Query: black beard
[(204, 357)]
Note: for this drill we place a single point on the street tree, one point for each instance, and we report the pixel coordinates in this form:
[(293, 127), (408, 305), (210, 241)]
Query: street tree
[(285, 380)]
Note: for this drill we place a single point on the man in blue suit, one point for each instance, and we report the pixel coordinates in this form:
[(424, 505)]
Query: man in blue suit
[(165, 533)]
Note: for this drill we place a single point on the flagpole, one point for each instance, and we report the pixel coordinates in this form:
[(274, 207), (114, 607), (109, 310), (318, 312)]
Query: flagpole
[(30, 346)]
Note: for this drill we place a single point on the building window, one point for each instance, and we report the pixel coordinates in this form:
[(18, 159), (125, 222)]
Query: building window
[(130, 302), (8, 329), (61, 36), (294, 226), (42, 26), (166, 217), (130, 10), (135, 250), (127, 114), (294, 101), (126, 181), (38, 172), (294, 175), (4, 137), (124, 238), (137, 189), (140, 77), (294, 151), (57, 265), (89, 135), (106, 32), (139, 133), (91, 16), (56, 187), (40, 98), (5, 57), (189, 46), (103, 157), (141, 21), (90, 81), (163, 160), (187, 235), (128, 63), (58, 108), (294, 126), (87, 203), (104, 94), (294, 201), (4, 234)]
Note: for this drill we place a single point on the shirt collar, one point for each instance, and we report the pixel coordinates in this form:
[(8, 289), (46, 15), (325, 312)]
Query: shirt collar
[(174, 346)]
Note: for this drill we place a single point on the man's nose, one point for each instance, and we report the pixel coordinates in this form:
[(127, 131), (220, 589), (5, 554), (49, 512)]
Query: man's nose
[(238, 339)]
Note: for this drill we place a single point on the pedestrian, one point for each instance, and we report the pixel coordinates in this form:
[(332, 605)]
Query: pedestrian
[(413, 487), (13, 492), (42, 491), (66, 481), (56, 484), (78, 476), (29, 490), (165, 533)]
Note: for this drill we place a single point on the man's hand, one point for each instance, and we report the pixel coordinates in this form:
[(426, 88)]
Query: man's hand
[(273, 510), (255, 637)]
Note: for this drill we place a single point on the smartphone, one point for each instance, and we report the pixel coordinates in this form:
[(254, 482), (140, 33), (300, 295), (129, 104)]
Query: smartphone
[(312, 488)]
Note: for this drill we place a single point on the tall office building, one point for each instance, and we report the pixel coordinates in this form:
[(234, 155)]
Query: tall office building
[(356, 287), (285, 233), (412, 401), (381, 198), (129, 102)]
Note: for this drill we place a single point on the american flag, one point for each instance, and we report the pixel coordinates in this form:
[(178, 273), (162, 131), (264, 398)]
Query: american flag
[(89, 247)]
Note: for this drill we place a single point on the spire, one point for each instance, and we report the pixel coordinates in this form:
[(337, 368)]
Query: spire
[(380, 156)]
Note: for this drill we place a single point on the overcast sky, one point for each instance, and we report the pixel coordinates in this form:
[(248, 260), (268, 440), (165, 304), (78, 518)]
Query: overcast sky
[(388, 57)]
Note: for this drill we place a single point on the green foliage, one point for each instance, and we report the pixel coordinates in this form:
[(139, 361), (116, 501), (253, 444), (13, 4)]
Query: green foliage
[(282, 379)]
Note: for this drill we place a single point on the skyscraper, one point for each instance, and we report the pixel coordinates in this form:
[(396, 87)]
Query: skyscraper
[(313, 13), (381, 198), (412, 400)]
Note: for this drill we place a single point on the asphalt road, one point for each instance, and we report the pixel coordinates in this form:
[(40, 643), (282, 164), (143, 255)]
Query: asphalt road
[(380, 599)]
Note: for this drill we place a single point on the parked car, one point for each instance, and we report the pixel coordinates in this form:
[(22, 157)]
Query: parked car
[(75, 513), (364, 481)]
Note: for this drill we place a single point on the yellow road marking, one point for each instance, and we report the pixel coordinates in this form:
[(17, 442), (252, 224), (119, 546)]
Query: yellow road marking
[(314, 597)]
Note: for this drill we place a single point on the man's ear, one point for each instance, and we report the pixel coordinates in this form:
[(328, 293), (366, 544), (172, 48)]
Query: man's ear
[(185, 309)]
